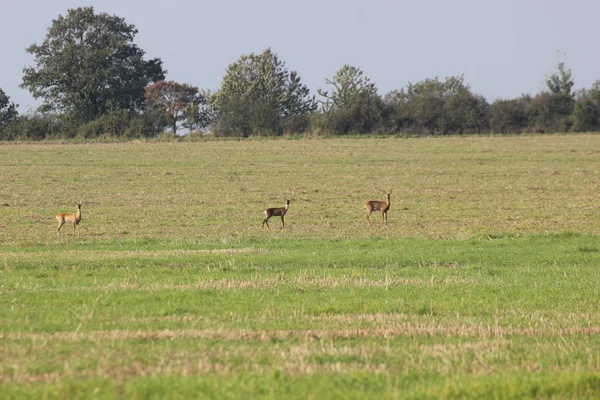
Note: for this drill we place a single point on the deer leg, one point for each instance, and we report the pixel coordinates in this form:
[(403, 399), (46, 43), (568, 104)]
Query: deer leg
[(368, 216), (60, 223), (282, 222), (266, 221)]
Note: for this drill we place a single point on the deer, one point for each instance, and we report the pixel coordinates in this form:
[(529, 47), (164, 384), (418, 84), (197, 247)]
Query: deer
[(274, 212), (375, 205), (70, 218)]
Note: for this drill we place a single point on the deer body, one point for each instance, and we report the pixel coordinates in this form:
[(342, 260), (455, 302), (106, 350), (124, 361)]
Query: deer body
[(382, 206), (276, 212), (69, 218)]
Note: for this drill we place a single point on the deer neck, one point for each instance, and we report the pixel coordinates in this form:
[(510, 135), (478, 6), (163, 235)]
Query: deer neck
[(78, 214)]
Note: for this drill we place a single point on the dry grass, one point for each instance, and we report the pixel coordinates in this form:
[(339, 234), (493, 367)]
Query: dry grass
[(406, 329), (443, 188)]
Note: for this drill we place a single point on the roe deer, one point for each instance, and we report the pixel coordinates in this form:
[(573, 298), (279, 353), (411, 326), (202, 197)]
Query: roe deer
[(382, 206), (71, 218), (274, 212)]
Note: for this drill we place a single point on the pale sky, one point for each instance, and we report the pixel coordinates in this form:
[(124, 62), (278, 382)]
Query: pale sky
[(503, 48)]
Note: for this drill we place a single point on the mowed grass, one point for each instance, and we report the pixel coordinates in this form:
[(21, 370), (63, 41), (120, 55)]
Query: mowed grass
[(484, 283)]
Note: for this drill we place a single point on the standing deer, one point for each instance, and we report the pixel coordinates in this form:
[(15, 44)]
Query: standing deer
[(274, 212), (382, 206), (71, 218)]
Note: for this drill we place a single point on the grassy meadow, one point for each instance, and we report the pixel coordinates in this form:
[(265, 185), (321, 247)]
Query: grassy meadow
[(485, 283)]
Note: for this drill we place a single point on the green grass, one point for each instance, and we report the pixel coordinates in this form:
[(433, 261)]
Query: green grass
[(484, 284)]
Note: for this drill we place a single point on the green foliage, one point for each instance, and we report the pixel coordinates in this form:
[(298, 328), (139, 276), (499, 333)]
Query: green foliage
[(8, 110), (541, 115), (433, 106), (586, 113), (140, 126), (561, 99), (88, 65), (172, 100), (113, 124), (88, 68), (586, 116), (352, 105), (561, 83), (259, 95), (446, 106), (509, 116), (198, 115), (38, 126)]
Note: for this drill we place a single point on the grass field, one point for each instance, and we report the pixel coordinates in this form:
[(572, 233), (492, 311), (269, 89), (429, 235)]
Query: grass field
[(485, 283)]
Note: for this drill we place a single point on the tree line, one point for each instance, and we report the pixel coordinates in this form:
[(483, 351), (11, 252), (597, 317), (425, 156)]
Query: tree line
[(95, 82)]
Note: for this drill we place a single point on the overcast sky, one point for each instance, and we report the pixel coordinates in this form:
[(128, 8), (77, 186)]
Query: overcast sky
[(504, 48)]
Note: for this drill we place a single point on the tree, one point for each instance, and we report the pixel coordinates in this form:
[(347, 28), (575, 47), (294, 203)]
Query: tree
[(297, 104), (426, 102), (8, 110), (539, 114), (586, 112), (259, 95), (88, 65), (586, 116), (447, 106), (465, 112), (353, 104), (171, 99), (562, 97), (198, 114), (508, 116), (397, 114), (560, 85)]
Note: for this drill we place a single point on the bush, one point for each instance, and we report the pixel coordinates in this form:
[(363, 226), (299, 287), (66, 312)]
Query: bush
[(139, 127), (35, 127), (507, 116), (113, 124)]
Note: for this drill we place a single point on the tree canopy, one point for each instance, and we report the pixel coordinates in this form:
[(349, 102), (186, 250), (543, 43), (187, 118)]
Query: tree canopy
[(259, 95), (88, 65), (352, 105), (8, 110), (171, 100)]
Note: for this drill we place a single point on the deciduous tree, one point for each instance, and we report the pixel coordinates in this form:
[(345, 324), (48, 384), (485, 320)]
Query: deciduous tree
[(171, 100), (259, 95), (8, 110), (446, 106), (586, 113), (88, 65), (508, 116), (352, 105)]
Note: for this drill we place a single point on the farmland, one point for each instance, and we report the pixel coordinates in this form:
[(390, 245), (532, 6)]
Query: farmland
[(484, 283)]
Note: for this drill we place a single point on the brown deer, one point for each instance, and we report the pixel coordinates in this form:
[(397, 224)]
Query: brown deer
[(275, 212), (382, 206), (71, 218)]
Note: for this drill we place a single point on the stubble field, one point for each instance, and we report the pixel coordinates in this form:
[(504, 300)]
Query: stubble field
[(484, 283)]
